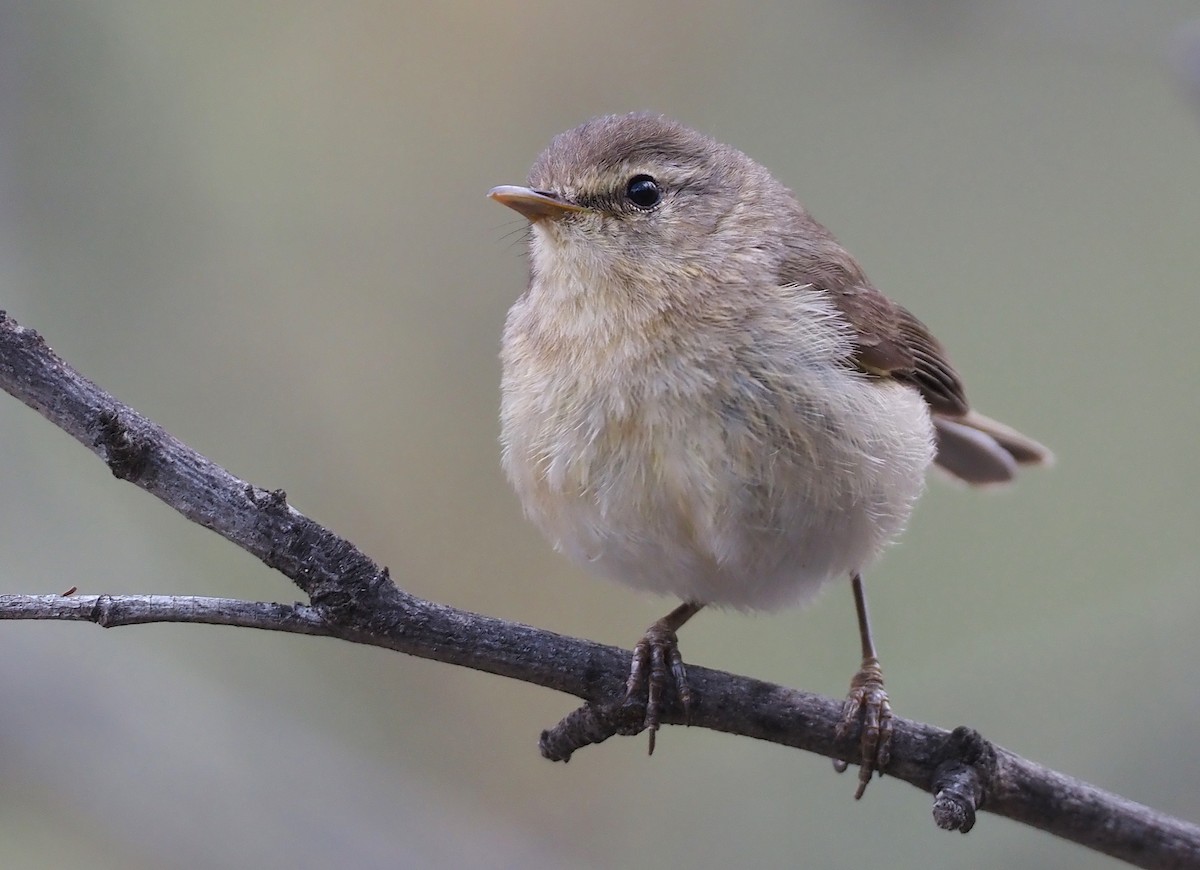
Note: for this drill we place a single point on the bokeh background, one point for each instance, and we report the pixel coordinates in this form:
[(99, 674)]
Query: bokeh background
[(264, 226)]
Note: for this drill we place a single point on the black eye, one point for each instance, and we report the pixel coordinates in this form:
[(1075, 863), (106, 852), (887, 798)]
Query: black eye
[(643, 191)]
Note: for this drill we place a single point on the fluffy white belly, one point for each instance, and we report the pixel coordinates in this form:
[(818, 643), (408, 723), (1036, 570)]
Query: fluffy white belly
[(748, 487)]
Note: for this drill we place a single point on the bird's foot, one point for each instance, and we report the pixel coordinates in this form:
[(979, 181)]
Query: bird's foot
[(656, 662), (867, 708)]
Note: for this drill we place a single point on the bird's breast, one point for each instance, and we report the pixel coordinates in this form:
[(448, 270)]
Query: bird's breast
[(741, 468)]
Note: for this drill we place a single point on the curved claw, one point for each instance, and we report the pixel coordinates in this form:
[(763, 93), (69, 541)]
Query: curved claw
[(867, 706), (656, 662)]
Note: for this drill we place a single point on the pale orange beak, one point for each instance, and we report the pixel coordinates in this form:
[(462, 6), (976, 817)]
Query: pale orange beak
[(534, 204)]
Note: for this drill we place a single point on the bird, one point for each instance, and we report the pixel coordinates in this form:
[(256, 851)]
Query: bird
[(704, 396)]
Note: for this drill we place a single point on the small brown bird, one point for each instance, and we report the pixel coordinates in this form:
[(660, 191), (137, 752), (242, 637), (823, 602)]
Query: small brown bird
[(704, 396)]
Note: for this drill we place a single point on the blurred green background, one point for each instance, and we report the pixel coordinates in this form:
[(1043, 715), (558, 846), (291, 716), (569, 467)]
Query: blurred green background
[(264, 226)]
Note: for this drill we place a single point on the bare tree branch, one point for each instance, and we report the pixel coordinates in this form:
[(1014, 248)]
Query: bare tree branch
[(354, 599)]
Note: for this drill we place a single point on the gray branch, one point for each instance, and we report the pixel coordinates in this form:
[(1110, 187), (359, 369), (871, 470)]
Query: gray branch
[(352, 598)]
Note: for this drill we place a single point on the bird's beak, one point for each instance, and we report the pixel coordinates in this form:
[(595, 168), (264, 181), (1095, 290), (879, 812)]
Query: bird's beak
[(534, 204)]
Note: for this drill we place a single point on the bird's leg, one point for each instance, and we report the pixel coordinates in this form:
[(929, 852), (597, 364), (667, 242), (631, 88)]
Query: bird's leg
[(655, 658), (867, 704)]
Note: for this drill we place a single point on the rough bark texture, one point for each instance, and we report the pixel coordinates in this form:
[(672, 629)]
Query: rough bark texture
[(354, 599)]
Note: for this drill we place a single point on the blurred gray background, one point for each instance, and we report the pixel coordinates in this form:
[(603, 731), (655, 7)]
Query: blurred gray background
[(264, 226)]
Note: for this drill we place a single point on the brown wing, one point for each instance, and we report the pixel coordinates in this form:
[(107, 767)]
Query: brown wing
[(893, 343)]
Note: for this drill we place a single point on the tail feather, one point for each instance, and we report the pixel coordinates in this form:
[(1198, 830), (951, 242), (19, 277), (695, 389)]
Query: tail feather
[(979, 450)]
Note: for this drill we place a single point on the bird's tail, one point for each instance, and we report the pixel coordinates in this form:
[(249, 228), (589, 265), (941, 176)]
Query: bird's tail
[(978, 450)]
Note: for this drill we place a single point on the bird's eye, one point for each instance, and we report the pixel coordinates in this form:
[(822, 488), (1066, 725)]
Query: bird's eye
[(643, 191)]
